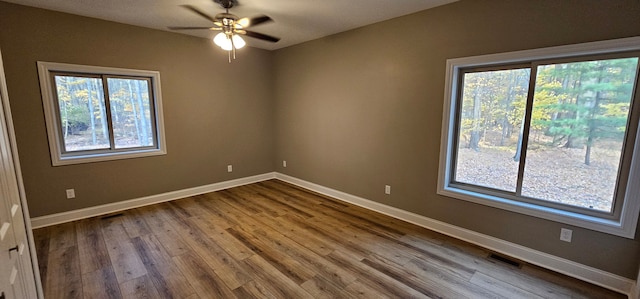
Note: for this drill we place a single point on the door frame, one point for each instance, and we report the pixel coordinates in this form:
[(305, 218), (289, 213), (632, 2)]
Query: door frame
[(4, 101)]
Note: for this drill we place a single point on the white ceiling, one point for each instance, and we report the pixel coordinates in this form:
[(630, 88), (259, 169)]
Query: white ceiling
[(296, 21)]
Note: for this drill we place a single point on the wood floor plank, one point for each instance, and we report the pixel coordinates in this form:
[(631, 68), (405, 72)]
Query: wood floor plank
[(41, 239), (178, 209), (361, 241), (502, 288), (297, 192), (531, 283), (229, 270), (208, 202), (231, 245), (188, 206), (161, 270), (364, 220), (276, 240), (319, 287), (566, 285), (239, 217), (461, 261), (390, 248), (358, 289), (285, 264), (166, 234), (375, 217), (374, 279), (253, 289), (273, 280), (428, 285), (206, 283), (338, 242), (91, 246), (140, 288), (309, 260), (233, 198), (302, 208), (134, 224), (267, 204), (277, 188), (62, 236), (123, 255), (101, 283), (449, 279), (295, 233), (63, 274), (217, 204)]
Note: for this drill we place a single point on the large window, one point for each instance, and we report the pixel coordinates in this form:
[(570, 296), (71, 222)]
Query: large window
[(96, 114), (548, 133)]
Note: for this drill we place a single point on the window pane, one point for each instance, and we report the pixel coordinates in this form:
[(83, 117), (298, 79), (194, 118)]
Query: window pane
[(493, 104), (578, 126), (83, 119), (130, 112)]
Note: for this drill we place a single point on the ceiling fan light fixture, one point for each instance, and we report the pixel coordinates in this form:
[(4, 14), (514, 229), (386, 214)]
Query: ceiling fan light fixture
[(238, 42), (223, 41)]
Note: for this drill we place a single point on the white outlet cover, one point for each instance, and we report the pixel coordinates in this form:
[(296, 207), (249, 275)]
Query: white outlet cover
[(229, 168), (566, 234), (71, 193)]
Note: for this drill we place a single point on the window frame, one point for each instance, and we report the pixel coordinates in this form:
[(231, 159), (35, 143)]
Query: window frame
[(621, 224), (59, 155)]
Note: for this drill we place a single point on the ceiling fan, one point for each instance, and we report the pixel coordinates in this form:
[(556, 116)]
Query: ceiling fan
[(231, 27)]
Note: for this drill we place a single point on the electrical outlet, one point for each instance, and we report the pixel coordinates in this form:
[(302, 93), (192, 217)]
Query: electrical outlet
[(71, 193), (565, 234), (229, 168), (284, 163), (387, 189)]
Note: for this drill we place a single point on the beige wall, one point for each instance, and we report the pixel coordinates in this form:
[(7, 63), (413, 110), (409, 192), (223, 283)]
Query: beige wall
[(362, 109), (215, 113)]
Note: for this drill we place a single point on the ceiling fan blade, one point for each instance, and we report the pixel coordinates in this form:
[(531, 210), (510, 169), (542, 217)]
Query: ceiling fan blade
[(247, 22), (261, 36), (189, 28), (199, 12)]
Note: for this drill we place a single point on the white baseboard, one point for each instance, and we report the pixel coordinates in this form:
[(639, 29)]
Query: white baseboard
[(58, 218), (583, 272), (635, 293)]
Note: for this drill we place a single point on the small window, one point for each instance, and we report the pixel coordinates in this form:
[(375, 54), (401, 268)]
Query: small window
[(549, 133), (98, 114)]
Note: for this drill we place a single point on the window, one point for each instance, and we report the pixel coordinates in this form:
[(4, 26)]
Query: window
[(550, 133), (98, 114)]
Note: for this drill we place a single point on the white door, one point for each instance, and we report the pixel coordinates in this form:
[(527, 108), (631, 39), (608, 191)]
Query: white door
[(17, 268)]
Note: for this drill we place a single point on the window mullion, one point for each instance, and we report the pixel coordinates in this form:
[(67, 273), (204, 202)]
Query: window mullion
[(152, 109), (457, 116), (107, 104), (58, 116), (526, 126)]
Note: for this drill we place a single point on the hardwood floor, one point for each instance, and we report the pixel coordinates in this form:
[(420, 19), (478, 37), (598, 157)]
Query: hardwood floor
[(274, 240)]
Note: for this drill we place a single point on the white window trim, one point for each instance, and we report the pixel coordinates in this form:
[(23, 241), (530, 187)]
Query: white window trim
[(48, 98), (624, 227)]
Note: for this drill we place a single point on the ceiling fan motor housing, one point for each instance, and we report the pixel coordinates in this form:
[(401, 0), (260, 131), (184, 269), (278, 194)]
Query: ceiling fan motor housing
[(228, 16), (226, 4)]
